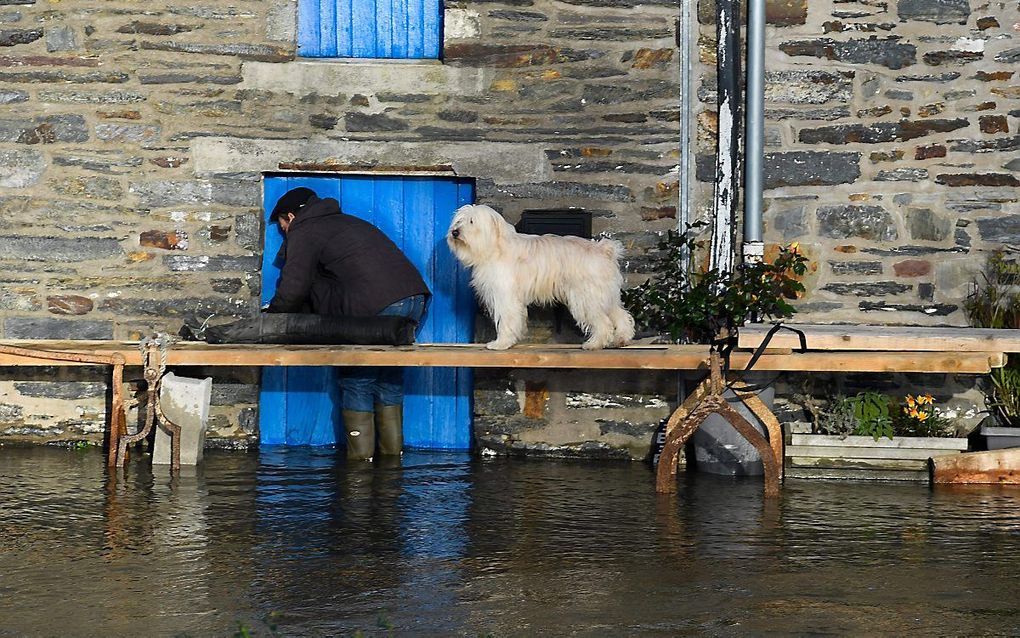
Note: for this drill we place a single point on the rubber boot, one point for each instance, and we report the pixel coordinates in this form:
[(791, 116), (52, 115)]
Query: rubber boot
[(360, 428), (389, 421)]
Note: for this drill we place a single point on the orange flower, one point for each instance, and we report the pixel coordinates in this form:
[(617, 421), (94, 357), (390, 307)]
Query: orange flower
[(925, 399), (910, 401)]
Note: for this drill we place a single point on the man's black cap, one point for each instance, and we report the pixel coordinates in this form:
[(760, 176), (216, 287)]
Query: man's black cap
[(292, 201)]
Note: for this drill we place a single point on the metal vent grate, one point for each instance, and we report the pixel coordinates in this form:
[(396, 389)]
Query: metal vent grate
[(556, 221)]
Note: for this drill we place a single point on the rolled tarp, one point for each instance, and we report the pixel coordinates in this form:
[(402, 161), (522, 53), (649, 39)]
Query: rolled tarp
[(294, 328)]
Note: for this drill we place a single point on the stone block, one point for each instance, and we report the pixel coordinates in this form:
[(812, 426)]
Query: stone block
[(370, 122), (69, 304), (923, 224), (912, 268), (195, 263), (808, 87), (50, 328), (879, 132), (12, 96), (937, 11), (68, 390), (254, 52), (809, 168), (1001, 230), (21, 168), (109, 132), (867, 222), (977, 179), (790, 222), (856, 267), (14, 37), (902, 175), (61, 38), (1009, 56), (887, 52), (45, 130), (91, 97), (63, 249), (185, 402), (867, 289)]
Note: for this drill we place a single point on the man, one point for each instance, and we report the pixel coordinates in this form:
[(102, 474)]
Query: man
[(342, 265)]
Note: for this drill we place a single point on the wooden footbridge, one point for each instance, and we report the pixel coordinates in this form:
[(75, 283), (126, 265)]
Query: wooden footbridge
[(808, 348)]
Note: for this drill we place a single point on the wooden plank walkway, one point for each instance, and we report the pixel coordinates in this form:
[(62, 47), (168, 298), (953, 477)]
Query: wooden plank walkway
[(562, 356), (884, 338)]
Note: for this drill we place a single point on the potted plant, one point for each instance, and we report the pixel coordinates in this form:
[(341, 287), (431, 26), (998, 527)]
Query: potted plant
[(690, 306), (995, 303), (870, 435), (684, 305)]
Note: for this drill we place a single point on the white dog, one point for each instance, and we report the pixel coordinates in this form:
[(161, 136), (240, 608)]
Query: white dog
[(511, 270)]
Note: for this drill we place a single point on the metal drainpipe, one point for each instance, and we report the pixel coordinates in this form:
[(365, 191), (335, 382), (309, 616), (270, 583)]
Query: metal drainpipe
[(754, 131)]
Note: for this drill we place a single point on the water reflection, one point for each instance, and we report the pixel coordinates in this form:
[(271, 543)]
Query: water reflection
[(439, 544)]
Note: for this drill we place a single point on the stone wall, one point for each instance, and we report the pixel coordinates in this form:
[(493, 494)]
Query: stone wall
[(893, 149), (135, 138)]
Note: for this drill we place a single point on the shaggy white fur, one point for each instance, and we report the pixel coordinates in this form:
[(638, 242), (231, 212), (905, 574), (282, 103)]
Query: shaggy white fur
[(511, 270)]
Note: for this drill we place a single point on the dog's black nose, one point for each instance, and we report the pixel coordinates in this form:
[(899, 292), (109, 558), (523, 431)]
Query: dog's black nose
[(455, 233)]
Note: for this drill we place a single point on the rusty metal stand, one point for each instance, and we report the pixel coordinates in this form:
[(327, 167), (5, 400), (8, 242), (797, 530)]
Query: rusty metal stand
[(154, 362), (706, 399), (116, 419)]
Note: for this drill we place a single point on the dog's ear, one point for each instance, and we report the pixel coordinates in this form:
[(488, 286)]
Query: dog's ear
[(500, 227)]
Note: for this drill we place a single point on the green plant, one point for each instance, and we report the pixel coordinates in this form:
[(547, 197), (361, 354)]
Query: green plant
[(994, 302), (837, 419), (696, 307), (918, 416), (1004, 394), (871, 409)]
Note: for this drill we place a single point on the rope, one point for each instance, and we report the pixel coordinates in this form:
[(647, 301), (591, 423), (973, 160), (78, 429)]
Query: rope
[(161, 341)]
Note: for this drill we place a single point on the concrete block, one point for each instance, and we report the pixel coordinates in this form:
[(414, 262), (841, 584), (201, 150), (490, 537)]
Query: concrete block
[(185, 401)]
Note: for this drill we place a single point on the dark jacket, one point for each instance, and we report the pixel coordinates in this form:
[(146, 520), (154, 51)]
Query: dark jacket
[(341, 265)]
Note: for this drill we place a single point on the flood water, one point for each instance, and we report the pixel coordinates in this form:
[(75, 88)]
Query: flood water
[(294, 542)]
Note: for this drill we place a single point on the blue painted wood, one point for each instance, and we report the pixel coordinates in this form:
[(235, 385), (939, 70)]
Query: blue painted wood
[(344, 29), (370, 28), (298, 405), (363, 32), (398, 21), (432, 29), (383, 29), (328, 29), (415, 27), (304, 403), (308, 28)]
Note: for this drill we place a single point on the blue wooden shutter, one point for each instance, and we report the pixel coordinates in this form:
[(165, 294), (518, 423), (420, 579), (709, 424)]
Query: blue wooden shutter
[(369, 28), (301, 406)]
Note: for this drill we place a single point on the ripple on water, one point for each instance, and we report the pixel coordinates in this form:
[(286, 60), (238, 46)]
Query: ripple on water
[(446, 544)]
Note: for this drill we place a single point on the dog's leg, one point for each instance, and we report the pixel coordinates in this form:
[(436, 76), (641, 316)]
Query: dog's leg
[(511, 318), (590, 314), (623, 327)]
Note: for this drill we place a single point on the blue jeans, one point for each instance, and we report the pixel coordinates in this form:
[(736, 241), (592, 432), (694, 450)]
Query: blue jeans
[(362, 388)]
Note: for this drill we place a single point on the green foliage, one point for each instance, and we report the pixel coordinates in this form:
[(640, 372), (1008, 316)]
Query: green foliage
[(871, 409), (995, 300), (838, 418), (696, 307), (877, 415), (995, 303), (1004, 396)]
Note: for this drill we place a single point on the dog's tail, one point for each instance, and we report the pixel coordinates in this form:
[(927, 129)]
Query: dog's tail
[(610, 248)]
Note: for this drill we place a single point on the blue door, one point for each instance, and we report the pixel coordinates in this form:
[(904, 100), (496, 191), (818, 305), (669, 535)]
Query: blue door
[(300, 405)]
